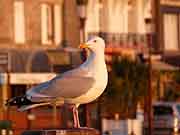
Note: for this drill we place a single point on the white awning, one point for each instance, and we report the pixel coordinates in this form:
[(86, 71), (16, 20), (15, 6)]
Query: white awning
[(25, 78)]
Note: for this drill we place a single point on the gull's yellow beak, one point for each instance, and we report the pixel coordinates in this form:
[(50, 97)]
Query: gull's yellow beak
[(83, 46)]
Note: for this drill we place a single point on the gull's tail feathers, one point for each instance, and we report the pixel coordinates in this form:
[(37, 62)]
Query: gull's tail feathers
[(27, 107), (23, 103), (19, 101)]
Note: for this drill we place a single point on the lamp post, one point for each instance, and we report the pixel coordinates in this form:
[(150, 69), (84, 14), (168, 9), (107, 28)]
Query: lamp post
[(82, 14), (148, 22)]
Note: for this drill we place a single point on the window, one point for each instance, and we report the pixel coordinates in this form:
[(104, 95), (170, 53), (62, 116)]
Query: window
[(171, 39), (19, 24), (57, 24), (50, 24), (18, 90), (162, 110)]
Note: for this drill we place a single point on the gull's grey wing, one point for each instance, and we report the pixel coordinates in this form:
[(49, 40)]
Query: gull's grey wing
[(66, 86), (34, 95), (70, 86)]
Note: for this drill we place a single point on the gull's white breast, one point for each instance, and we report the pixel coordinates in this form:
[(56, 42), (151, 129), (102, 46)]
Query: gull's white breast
[(99, 73)]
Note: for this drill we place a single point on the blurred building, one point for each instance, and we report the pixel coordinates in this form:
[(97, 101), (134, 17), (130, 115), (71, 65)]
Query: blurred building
[(32, 37), (31, 29), (121, 23), (33, 34)]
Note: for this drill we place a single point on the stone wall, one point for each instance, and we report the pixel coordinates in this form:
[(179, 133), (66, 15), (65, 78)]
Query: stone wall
[(6, 25)]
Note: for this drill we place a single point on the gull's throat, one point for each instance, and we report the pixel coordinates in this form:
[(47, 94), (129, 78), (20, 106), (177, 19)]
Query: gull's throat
[(95, 63)]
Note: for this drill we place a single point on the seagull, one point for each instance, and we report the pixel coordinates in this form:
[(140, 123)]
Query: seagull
[(80, 85)]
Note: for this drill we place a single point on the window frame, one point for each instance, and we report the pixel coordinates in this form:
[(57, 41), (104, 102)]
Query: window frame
[(45, 38), (54, 26), (165, 9), (19, 21), (177, 46)]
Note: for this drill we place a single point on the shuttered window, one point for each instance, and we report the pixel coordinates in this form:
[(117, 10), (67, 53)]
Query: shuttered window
[(51, 26)]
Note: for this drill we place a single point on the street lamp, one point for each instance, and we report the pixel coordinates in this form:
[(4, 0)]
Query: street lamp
[(82, 13), (149, 31)]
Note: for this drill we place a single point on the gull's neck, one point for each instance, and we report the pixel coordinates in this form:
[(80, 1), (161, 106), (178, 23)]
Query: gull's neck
[(95, 62)]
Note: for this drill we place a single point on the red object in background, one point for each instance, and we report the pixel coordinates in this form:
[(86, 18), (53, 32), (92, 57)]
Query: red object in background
[(43, 118)]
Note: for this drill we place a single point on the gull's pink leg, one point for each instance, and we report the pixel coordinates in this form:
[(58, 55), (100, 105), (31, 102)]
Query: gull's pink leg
[(76, 117)]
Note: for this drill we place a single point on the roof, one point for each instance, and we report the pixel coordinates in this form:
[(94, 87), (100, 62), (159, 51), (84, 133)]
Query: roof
[(166, 103)]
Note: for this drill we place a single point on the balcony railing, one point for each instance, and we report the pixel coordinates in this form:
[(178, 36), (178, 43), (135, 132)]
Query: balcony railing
[(138, 42)]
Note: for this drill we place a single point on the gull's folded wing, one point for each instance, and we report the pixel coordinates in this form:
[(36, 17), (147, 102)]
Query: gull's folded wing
[(66, 87), (70, 86)]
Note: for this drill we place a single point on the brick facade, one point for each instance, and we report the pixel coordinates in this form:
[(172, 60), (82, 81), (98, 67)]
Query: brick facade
[(32, 19)]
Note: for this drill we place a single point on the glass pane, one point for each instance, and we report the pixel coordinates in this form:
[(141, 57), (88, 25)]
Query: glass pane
[(163, 110), (171, 31), (57, 24), (44, 26)]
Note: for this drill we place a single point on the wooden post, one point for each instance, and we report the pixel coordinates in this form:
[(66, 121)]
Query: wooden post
[(28, 121), (54, 115)]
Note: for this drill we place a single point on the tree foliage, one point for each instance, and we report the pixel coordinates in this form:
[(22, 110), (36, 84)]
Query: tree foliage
[(172, 92), (127, 86), (177, 77)]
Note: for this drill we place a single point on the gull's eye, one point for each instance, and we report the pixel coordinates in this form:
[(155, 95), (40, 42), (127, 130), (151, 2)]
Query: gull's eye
[(95, 41)]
